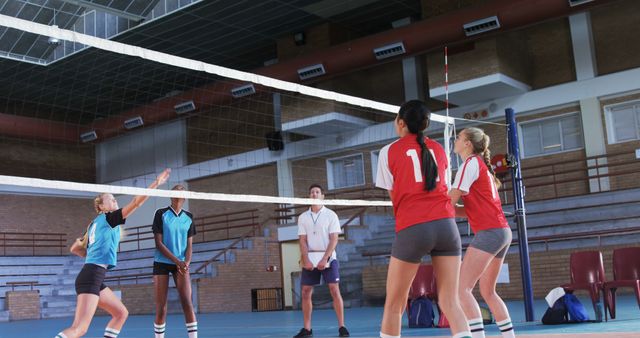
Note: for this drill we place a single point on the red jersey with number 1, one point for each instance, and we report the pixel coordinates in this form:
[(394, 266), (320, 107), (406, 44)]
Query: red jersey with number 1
[(480, 196), (400, 171)]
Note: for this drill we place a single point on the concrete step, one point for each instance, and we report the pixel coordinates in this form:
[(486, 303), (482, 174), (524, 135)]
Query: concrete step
[(42, 279), (64, 292), (31, 269), (590, 214), (32, 260), (59, 302), (57, 312), (621, 196)]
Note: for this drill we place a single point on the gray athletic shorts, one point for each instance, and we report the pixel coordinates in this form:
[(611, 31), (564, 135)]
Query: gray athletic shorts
[(493, 241), (437, 238)]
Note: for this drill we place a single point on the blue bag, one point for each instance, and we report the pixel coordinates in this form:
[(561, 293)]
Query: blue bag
[(577, 312), (421, 313)]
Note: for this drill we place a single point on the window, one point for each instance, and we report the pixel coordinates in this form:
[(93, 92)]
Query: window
[(345, 172), (623, 122), (454, 159), (551, 135), (374, 164)]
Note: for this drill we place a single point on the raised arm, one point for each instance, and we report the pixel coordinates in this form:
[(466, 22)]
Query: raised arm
[(139, 200)]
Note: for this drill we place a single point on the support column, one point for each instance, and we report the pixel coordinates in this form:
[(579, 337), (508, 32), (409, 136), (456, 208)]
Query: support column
[(411, 71), (283, 167), (590, 110)]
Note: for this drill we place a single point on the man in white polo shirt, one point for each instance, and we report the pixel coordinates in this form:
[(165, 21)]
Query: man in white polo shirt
[(318, 229)]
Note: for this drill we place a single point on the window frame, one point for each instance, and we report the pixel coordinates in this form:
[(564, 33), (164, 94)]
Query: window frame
[(541, 120), (330, 178)]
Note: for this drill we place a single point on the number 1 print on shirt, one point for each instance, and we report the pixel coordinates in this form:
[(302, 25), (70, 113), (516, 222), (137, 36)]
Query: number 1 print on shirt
[(416, 164)]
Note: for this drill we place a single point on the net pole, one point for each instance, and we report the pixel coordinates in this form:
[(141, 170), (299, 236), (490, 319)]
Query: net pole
[(520, 213)]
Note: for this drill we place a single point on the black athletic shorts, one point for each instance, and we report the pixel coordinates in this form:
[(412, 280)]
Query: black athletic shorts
[(163, 269), (91, 279)]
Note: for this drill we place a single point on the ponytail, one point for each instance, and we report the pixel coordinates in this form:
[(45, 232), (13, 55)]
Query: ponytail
[(417, 116), (480, 142)]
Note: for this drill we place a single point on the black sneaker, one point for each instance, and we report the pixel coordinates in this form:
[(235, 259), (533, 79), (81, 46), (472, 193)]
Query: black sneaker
[(343, 332), (304, 333)]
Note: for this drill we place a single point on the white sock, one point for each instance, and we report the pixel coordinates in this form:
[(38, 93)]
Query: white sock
[(111, 333), (192, 329), (463, 334), (477, 327), (159, 329), (60, 335), (382, 335), (506, 328)]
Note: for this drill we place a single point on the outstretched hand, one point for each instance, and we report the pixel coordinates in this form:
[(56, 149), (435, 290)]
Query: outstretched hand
[(163, 177)]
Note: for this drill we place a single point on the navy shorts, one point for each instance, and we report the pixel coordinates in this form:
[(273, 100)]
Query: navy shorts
[(91, 279), (329, 275)]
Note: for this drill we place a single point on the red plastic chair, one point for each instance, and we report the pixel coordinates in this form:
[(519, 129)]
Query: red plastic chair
[(626, 274), (587, 273), (424, 285)]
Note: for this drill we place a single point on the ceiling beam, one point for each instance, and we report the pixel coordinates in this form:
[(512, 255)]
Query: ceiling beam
[(106, 9)]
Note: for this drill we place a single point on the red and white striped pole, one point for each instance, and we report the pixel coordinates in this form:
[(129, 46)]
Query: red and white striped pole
[(447, 130)]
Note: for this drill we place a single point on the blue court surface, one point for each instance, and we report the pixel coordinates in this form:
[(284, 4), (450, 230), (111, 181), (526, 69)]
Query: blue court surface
[(362, 322)]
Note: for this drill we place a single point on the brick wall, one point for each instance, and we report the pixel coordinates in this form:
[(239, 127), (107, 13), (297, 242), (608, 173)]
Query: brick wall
[(374, 283), (314, 170), (480, 61), (37, 214), (540, 56), (383, 83), (219, 131), (257, 181), (551, 53), (59, 161), (549, 269), (431, 8), (316, 38), (230, 290), (138, 299), (616, 36), (23, 304)]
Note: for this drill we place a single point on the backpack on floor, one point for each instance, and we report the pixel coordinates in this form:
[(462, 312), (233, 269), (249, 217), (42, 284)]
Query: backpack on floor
[(558, 314), (577, 312), (421, 313), (487, 317)]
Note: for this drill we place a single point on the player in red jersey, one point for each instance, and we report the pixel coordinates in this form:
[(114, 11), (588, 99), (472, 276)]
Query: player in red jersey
[(477, 185), (413, 169)]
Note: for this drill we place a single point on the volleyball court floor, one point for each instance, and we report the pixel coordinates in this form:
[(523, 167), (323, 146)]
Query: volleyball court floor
[(362, 322)]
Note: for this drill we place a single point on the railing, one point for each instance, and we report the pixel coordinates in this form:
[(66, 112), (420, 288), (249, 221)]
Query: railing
[(285, 213), (209, 228), (553, 174), (136, 277), (26, 243), (30, 284), (223, 252)]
